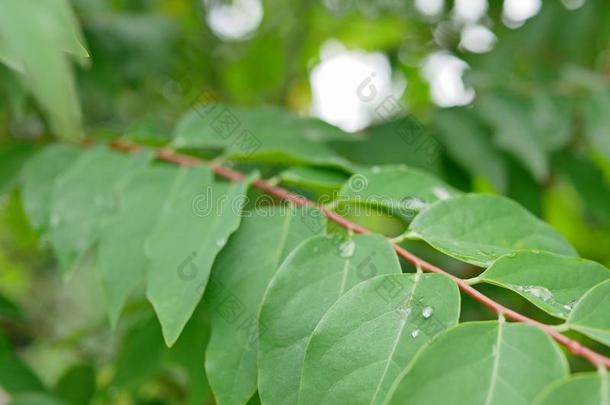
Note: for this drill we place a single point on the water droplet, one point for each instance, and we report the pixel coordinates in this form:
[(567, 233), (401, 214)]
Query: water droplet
[(221, 242), (441, 193), (542, 293), (570, 305), (427, 312), (415, 333), (414, 204), (376, 169), (347, 249)]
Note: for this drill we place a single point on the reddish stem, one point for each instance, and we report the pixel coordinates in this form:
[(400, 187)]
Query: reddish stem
[(185, 160)]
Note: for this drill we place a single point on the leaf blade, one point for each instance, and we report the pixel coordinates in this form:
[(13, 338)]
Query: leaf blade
[(314, 276)]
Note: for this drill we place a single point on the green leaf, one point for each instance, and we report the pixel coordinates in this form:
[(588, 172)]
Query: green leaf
[(399, 141), (590, 316), (141, 354), (482, 363), (83, 196), (308, 283), (13, 156), (551, 282), (189, 353), (588, 180), (39, 177), (240, 276), (372, 333), (399, 189), (36, 37), (317, 179), (478, 229), (515, 132), (35, 398), (597, 121), (266, 134), (15, 375), (582, 389), (195, 223), (121, 260), (77, 385), (469, 145)]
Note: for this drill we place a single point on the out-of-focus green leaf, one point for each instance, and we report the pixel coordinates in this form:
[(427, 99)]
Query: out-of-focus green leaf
[(400, 141), (9, 310), (586, 178), (121, 260), (32, 398), (189, 353), (468, 144), (239, 280), (38, 180), (141, 354), (36, 37), (372, 333), (597, 120), (482, 363), (265, 134), (514, 131), (314, 276), (13, 156), (77, 385), (83, 195), (478, 229), (15, 376), (590, 316), (553, 283)]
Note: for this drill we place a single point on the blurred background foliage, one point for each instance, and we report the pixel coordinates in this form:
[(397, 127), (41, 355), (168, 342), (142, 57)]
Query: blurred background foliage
[(514, 93)]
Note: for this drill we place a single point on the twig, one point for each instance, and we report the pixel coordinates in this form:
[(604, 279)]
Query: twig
[(573, 346)]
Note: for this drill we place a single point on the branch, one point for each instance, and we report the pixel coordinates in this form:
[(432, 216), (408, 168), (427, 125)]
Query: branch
[(573, 346)]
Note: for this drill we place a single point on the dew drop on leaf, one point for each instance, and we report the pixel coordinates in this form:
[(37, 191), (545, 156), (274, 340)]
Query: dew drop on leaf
[(441, 193), (427, 312), (415, 333), (347, 249), (221, 242), (539, 292)]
